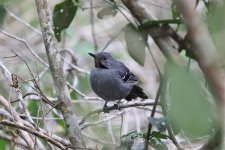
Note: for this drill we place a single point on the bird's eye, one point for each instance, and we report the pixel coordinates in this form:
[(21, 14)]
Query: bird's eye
[(104, 58)]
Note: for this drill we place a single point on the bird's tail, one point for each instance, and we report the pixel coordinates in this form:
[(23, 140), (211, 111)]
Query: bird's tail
[(135, 93)]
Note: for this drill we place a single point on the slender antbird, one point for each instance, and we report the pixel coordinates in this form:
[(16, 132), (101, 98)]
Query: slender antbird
[(112, 80)]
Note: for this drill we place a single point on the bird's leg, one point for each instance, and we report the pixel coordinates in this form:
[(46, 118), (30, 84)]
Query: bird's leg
[(105, 110), (117, 105)]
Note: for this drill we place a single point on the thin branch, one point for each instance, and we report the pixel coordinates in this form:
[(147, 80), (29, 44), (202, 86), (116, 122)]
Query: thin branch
[(12, 139), (22, 21), (99, 141), (5, 72), (25, 136), (93, 26), (110, 130), (153, 113), (27, 46), (82, 94), (63, 141), (76, 67), (111, 40), (101, 121), (32, 131), (110, 108)]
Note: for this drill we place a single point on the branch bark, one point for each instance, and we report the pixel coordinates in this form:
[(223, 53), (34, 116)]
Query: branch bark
[(59, 80)]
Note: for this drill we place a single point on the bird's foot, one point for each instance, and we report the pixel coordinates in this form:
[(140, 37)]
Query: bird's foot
[(106, 109), (117, 106)]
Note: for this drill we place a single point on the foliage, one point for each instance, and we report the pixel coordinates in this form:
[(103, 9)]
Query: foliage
[(107, 11), (190, 110), (156, 140), (2, 14), (136, 42), (63, 15)]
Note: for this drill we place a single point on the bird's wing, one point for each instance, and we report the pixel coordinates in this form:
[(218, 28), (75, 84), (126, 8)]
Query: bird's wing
[(126, 75)]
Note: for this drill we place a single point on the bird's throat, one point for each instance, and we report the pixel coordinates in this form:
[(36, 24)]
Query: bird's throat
[(99, 64)]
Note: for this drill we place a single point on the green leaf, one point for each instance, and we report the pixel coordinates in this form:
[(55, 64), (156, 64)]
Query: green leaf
[(160, 123), (215, 16), (3, 144), (158, 144), (33, 108), (136, 42), (190, 109), (2, 14), (133, 134), (63, 15), (159, 135), (127, 142), (107, 147), (107, 11), (128, 139), (190, 54), (6, 2)]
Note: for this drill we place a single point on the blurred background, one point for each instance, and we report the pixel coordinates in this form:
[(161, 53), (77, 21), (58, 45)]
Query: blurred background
[(96, 26)]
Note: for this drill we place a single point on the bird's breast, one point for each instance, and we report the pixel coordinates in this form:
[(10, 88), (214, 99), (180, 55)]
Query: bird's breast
[(107, 84)]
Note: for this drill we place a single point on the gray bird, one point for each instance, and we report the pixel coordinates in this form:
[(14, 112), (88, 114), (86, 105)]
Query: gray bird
[(112, 80)]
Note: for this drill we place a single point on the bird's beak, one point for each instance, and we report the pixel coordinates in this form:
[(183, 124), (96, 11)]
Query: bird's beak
[(91, 54)]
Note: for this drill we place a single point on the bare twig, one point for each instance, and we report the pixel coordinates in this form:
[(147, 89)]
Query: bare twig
[(26, 44), (22, 21), (61, 140), (99, 141), (110, 130), (76, 67), (101, 121), (153, 113), (6, 72), (32, 131), (82, 94), (93, 26), (130, 104), (11, 139), (4, 114), (19, 121)]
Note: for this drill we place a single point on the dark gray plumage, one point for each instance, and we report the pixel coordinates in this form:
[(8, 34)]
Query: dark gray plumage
[(112, 80)]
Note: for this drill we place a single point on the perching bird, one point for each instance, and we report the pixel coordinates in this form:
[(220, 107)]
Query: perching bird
[(112, 80)]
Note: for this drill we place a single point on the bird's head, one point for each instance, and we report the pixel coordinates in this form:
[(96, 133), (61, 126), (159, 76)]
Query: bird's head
[(103, 60)]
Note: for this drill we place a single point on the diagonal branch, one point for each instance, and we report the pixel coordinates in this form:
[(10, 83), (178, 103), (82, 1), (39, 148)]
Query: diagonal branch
[(25, 136), (55, 64), (165, 44), (32, 131)]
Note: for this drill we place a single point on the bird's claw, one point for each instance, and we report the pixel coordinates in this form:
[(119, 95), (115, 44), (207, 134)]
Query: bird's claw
[(117, 106), (105, 109)]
